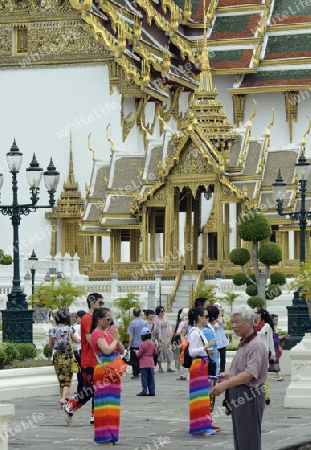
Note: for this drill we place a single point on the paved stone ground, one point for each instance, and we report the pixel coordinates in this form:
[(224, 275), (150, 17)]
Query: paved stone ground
[(151, 423)]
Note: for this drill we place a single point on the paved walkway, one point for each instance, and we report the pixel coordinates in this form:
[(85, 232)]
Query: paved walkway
[(147, 423)]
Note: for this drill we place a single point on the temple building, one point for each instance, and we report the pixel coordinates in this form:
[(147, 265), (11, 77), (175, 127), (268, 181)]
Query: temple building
[(207, 100)]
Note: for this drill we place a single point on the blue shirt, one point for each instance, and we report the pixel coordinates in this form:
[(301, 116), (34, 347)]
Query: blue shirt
[(134, 329), (210, 335)]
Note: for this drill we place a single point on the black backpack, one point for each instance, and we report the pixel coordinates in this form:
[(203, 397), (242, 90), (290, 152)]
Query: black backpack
[(187, 358)]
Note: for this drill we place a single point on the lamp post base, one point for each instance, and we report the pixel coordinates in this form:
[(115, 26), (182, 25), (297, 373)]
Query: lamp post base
[(17, 325), (299, 322)]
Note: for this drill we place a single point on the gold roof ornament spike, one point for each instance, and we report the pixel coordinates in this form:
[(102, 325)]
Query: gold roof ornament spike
[(90, 147), (303, 140), (109, 138)]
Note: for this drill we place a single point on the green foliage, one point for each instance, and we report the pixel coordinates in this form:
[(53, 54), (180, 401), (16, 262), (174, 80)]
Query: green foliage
[(240, 256), (254, 227), (251, 290), (270, 254), (47, 351), (278, 278), (25, 351), (9, 351), (239, 279), (232, 347), (229, 298), (59, 294), (204, 290), (273, 291), (5, 260), (256, 301), (303, 281), (123, 315), (2, 357)]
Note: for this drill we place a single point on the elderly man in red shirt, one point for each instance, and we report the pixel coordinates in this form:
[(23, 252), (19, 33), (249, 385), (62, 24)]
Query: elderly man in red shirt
[(245, 382)]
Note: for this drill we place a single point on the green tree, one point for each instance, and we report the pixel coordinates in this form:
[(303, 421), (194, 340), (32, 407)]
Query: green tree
[(204, 290), (302, 282), (5, 260), (123, 315), (230, 298), (59, 294), (255, 227)]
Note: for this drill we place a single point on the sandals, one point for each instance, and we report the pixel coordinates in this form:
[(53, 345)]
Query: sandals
[(171, 370)]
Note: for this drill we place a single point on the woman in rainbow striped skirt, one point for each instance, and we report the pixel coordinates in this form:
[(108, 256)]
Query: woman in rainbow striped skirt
[(105, 341), (200, 408)]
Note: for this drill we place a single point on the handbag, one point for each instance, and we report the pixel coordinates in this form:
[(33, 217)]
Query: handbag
[(75, 368), (226, 403), (280, 350), (115, 369), (273, 367)]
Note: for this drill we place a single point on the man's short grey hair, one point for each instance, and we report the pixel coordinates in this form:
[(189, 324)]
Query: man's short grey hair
[(246, 313)]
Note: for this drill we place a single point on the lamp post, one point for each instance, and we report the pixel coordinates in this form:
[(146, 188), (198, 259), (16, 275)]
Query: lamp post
[(17, 318), (298, 315), (33, 260)]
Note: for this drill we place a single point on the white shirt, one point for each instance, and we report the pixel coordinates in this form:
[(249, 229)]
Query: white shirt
[(77, 328), (196, 347), (266, 335)]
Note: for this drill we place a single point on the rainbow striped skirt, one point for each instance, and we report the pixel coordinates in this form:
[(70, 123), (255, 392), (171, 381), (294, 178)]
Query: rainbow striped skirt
[(199, 400), (107, 396)]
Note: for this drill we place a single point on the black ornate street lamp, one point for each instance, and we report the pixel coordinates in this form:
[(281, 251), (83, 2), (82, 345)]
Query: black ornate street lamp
[(17, 318), (298, 315), (33, 262)]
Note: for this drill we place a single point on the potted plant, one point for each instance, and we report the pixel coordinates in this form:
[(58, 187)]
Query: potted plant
[(204, 290), (123, 315), (58, 294), (302, 283)]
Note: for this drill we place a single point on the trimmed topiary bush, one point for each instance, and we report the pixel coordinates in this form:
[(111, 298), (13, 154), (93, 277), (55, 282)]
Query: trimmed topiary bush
[(25, 351), (251, 290), (270, 254), (273, 290), (256, 301), (47, 351), (278, 278), (240, 256), (2, 357), (10, 352), (254, 227), (239, 279)]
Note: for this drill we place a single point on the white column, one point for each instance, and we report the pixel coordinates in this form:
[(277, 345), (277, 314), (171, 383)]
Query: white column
[(6, 412), (232, 226), (298, 393)]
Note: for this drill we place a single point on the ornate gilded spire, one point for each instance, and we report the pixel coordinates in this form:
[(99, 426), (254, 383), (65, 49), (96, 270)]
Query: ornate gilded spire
[(205, 75), (71, 176)]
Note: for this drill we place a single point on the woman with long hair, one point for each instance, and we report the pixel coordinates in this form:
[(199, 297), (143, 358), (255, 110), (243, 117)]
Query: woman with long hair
[(199, 400), (176, 341), (264, 326), (163, 335), (60, 340), (106, 344)]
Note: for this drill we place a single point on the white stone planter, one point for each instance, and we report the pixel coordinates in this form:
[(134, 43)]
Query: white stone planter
[(298, 393), (6, 412)]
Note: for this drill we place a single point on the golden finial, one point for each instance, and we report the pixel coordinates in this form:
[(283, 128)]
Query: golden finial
[(304, 141), (71, 177), (109, 138), (253, 113), (205, 75), (270, 123), (90, 147)]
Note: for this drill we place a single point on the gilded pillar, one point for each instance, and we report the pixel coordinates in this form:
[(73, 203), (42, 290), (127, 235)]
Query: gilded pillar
[(116, 246), (92, 249), (134, 245), (226, 229), (168, 223), (285, 248), (98, 248), (145, 234), (188, 230), (196, 212), (219, 225), (53, 248), (152, 234)]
